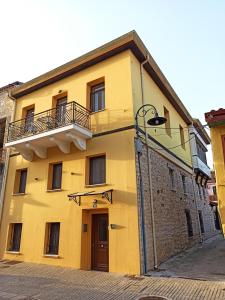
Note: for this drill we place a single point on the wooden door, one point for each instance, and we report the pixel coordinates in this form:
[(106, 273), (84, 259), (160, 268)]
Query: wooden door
[(100, 238)]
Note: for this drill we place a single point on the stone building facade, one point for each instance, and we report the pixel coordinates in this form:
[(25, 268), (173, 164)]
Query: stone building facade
[(175, 199), (6, 116)]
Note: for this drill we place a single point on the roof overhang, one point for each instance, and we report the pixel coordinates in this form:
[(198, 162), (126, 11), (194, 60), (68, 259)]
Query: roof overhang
[(201, 130), (130, 41)]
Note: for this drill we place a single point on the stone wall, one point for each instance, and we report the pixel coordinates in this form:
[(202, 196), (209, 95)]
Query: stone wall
[(169, 204)]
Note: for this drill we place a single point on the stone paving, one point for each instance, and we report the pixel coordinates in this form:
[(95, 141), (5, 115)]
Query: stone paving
[(30, 281), (20, 281)]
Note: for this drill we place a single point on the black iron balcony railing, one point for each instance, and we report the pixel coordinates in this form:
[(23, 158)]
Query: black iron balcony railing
[(62, 115)]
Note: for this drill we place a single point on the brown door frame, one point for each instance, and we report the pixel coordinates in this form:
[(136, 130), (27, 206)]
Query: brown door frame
[(104, 244)]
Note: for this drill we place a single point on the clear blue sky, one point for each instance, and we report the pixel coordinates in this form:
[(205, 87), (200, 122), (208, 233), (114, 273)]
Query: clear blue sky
[(186, 38)]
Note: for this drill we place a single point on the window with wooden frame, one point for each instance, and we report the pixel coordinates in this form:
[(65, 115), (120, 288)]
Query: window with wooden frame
[(97, 170), (55, 176), (189, 223), (183, 179), (14, 237), (201, 221), (28, 115), (52, 238), (167, 125), (97, 97), (20, 181), (172, 179), (182, 141)]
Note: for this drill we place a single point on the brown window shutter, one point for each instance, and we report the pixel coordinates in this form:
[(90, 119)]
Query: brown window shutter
[(97, 170), (57, 176)]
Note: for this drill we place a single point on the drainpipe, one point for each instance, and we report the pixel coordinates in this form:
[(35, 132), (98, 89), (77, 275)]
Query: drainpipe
[(195, 198), (149, 170), (2, 194)]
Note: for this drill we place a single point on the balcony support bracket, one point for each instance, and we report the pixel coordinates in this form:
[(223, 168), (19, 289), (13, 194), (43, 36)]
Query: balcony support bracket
[(39, 151), (27, 154), (78, 142), (63, 145)]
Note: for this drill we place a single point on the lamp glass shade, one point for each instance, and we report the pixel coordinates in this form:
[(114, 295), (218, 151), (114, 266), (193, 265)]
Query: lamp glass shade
[(156, 121)]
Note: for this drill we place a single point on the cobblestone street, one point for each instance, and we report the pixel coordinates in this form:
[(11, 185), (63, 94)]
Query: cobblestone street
[(20, 281)]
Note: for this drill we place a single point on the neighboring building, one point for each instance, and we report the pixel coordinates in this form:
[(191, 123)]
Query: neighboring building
[(216, 122), (199, 139), (7, 105), (213, 201), (82, 190)]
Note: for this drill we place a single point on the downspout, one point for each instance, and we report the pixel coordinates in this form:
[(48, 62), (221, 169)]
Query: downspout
[(149, 170), (2, 194), (195, 198)]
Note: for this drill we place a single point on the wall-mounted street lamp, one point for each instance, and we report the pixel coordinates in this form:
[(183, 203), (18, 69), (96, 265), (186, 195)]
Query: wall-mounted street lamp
[(156, 120)]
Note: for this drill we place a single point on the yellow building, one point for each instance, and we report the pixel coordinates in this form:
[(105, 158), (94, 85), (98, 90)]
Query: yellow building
[(73, 193), (216, 122)]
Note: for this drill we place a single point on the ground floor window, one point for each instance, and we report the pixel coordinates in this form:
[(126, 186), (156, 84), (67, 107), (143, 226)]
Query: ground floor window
[(15, 230), (189, 222), (201, 221), (52, 238)]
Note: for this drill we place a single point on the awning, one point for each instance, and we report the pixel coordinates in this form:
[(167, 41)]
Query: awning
[(76, 197)]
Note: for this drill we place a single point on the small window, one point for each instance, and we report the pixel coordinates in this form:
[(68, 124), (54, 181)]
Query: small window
[(52, 238), (184, 183), (97, 97), (2, 132), (55, 176), (189, 223), (201, 221), (214, 189), (182, 141), (199, 191), (15, 231), (172, 179), (204, 192), (20, 181), (167, 125), (97, 169)]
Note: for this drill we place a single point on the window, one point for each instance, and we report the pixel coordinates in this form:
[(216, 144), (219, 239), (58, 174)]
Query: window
[(201, 151), (29, 119), (97, 97), (55, 176), (172, 179), (201, 221), (182, 141), (167, 125), (189, 223), (52, 238), (204, 192), (199, 191), (97, 169), (15, 230), (61, 111), (2, 132), (20, 181), (214, 189), (184, 184)]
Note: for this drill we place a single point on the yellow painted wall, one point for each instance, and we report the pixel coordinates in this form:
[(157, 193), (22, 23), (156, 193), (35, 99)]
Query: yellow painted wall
[(219, 166), (39, 206), (118, 98), (153, 95), (123, 97)]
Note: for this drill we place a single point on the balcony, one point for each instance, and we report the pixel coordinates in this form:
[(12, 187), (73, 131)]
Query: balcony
[(60, 126)]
